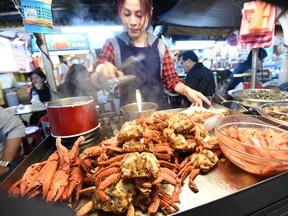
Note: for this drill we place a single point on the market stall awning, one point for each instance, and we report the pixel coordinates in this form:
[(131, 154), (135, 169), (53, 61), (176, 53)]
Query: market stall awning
[(203, 17)]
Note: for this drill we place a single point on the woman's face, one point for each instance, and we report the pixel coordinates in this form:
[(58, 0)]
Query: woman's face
[(134, 19), (37, 81)]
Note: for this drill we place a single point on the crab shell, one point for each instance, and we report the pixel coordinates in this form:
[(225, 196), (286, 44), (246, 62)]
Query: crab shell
[(135, 165)]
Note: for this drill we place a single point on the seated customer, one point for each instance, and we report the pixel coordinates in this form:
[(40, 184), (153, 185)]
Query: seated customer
[(245, 66), (75, 83), (11, 132), (38, 78), (198, 76)]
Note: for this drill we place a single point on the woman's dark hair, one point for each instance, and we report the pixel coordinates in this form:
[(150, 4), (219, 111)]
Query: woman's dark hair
[(76, 73), (146, 6), (37, 71), (75, 83)]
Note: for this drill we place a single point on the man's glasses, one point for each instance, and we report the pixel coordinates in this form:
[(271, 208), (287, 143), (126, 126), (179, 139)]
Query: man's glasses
[(181, 61)]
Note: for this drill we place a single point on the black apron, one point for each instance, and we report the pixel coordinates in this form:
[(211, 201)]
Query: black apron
[(147, 74)]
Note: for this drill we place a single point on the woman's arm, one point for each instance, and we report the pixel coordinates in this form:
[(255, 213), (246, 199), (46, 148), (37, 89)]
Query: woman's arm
[(174, 83)]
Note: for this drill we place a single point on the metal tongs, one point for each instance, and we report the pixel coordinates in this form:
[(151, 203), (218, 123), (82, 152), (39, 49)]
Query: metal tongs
[(132, 60), (102, 83)]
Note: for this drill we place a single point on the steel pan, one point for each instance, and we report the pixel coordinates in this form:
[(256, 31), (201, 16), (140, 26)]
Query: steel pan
[(131, 112), (276, 115), (257, 103)]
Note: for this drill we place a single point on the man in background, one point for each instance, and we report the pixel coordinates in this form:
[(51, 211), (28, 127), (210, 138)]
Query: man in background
[(63, 68), (198, 76), (245, 66)]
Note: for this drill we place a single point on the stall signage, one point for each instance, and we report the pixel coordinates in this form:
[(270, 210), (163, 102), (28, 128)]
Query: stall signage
[(8, 61), (63, 42)]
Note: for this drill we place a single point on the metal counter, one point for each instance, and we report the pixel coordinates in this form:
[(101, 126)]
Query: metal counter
[(225, 190)]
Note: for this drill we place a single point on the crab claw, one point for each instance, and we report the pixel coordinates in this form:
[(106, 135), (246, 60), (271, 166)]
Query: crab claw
[(58, 185), (14, 190)]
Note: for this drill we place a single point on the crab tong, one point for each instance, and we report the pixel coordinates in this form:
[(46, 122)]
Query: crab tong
[(102, 83)]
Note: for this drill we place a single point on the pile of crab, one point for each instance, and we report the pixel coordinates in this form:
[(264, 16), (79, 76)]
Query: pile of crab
[(143, 167)]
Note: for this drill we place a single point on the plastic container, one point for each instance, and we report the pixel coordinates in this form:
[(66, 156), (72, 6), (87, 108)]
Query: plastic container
[(35, 97), (283, 75), (12, 99), (37, 16)]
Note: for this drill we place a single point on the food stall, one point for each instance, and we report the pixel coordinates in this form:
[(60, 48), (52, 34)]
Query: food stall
[(223, 189)]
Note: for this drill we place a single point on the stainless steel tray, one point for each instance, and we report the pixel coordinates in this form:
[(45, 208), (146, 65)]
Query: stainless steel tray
[(254, 102), (225, 190), (263, 113)]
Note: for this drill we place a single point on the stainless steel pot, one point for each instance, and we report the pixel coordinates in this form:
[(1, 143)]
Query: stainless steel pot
[(73, 116), (131, 111)]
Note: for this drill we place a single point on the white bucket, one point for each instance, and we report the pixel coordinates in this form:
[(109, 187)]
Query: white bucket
[(283, 75), (12, 99)]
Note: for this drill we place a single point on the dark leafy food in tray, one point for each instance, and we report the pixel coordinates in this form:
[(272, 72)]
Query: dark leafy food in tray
[(277, 111), (138, 168), (261, 94)]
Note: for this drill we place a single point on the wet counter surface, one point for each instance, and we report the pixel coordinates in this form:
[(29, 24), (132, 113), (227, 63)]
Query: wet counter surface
[(225, 190)]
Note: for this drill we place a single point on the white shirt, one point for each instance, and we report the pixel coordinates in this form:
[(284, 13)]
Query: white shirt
[(10, 127), (62, 70)]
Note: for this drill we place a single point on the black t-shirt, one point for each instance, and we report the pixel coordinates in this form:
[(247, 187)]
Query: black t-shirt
[(201, 79)]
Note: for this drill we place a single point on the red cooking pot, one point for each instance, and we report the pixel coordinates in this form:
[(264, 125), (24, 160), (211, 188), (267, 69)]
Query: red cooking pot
[(74, 116)]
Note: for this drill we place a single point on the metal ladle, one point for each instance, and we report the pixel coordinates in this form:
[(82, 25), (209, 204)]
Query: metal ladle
[(139, 100)]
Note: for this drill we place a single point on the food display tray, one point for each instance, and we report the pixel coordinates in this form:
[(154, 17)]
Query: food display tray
[(225, 190)]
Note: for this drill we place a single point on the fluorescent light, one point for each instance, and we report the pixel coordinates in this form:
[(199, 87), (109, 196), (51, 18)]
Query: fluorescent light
[(193, 44)]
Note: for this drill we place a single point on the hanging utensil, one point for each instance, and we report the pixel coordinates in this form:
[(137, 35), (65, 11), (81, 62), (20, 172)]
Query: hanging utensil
[(139, 100)]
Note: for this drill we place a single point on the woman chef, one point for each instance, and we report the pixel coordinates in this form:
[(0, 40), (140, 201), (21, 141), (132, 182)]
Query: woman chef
[(153, 73)]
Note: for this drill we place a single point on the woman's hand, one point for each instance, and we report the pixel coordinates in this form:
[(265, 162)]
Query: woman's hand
[(107, 70), (104, 71), (197, 98)]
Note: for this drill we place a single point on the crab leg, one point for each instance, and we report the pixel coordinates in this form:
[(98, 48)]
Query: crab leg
[(192, 176), (106, 183), (47, 173), (85, 209)]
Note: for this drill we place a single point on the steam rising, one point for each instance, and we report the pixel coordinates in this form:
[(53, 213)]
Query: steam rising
[(84, 14)]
